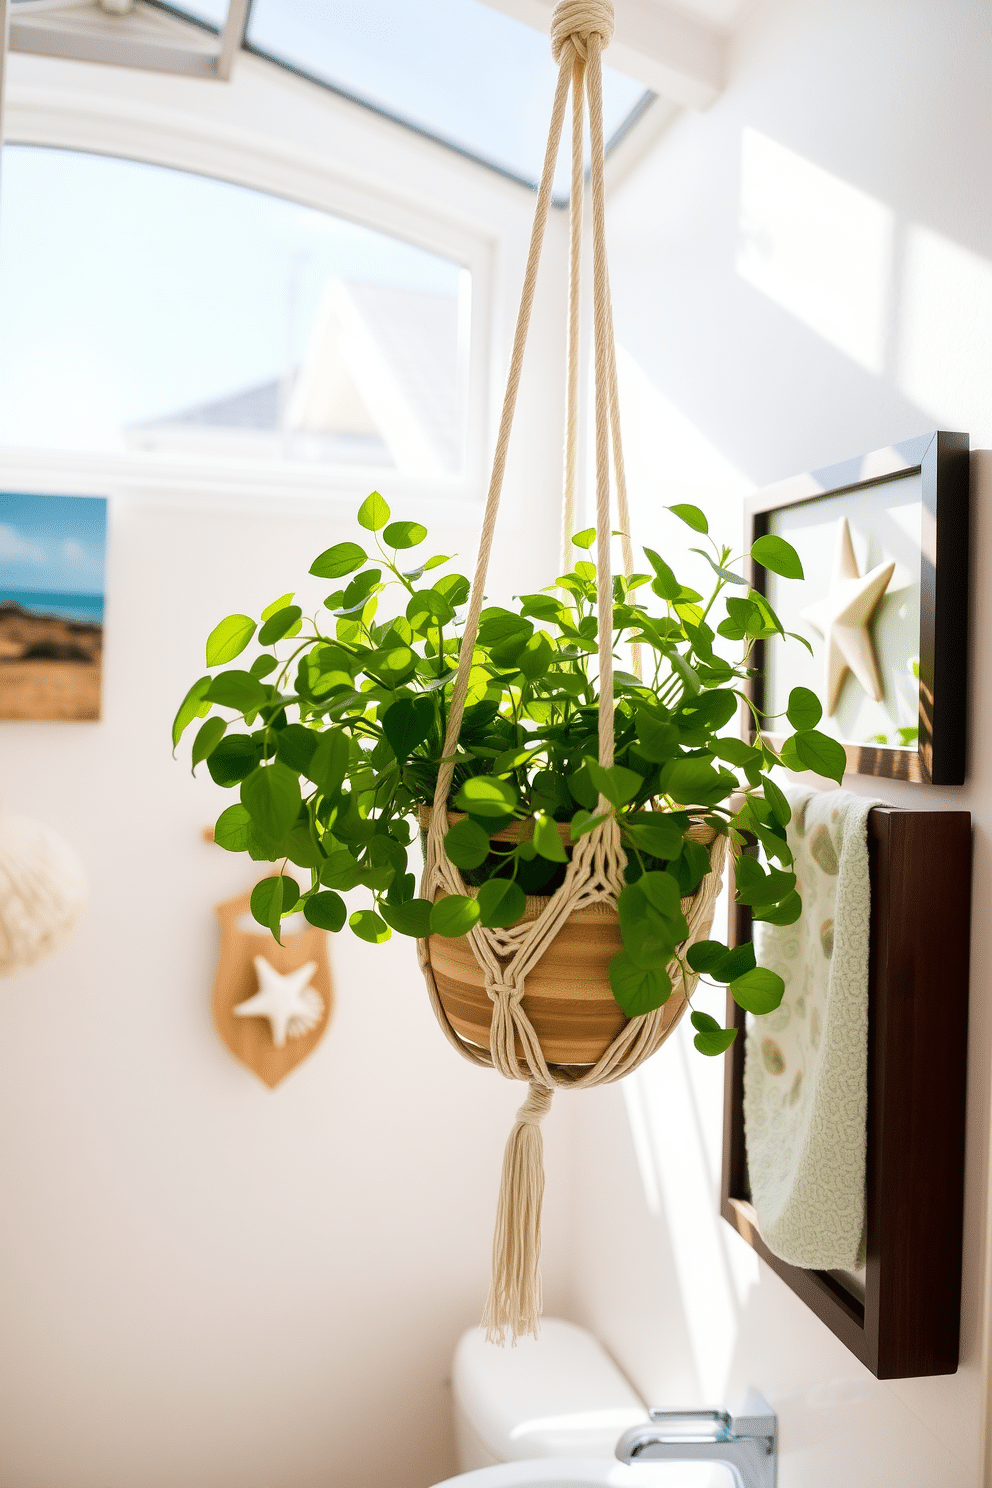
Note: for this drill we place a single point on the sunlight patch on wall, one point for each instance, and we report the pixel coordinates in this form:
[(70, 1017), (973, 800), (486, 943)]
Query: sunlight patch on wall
[(817, 246), (945, 355), (668, 459), (675, 1168)]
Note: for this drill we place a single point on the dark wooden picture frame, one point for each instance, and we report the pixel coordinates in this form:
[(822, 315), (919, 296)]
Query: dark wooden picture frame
[(908, 1322), (942, 461)]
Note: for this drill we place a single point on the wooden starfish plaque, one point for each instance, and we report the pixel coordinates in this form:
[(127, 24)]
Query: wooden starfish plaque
[(283, 1025)]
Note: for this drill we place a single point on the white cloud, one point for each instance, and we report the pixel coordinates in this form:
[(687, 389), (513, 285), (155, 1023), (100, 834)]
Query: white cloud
[(75, 554), (15, 547)]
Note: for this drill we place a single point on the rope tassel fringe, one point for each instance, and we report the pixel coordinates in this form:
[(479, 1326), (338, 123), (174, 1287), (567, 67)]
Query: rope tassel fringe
[(514, 1301)]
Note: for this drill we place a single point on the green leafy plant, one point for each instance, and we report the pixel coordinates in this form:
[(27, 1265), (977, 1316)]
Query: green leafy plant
[(333, 733)]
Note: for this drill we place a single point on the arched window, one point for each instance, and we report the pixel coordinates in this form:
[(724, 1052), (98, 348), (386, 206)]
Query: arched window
[(151, 310)]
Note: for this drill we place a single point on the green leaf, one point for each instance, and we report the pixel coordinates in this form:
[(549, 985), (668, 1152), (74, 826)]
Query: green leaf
[(408, 723), (585, 538), (207, 739), (501, 903), (804, 710), (232, 759), (583, 821), (327, 911), (481, 795), (280, 624), (704, 955), (735, 751), (726, 574), (295, 746), (690, 867), (368, 926), (272, 795), (711, 1038), (657, 741), (454, 915), (662, 892), (455, 589), (238, 690), (758, 991), (691, 516), (335, 562), (427, 608), (329, 763), (661, 839), (618, 784), (412, 918), (467, 844), (404, 534), (695, 782), (780, 556), (373, 513), (820, 753), (231, 829), (635, 990), (734, 963), (779, 805), (277, 604), (758, 888), (582, 789), (228, 639), (192, 706), (273, 898), (794, 636), (665, 584), (340, 871), (786, 913), (535, 658), (547, 840)]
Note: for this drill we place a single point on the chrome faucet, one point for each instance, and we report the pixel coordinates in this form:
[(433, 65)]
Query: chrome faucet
[(745, 1440)]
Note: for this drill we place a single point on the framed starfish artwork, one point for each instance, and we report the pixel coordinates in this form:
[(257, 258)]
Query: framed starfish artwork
[(883, 604)]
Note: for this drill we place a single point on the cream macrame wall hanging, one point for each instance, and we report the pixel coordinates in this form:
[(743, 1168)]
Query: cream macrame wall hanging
[(42, 892), (538, 994)]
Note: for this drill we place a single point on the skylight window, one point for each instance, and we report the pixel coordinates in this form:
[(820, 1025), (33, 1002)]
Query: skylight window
[(147, 309), (456, 70)]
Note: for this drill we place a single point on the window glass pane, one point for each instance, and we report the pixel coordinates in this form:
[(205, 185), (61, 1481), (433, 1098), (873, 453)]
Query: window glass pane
[(146, 308), (456, 68)]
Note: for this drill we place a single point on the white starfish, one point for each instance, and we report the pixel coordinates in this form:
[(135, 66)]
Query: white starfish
[(291, 1006), (843, 619)]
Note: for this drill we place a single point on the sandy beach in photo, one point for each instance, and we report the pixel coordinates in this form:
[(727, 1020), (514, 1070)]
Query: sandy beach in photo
[(49, 666)]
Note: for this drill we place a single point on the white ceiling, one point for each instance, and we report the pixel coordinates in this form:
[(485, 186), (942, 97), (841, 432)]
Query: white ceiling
[(724, 15)]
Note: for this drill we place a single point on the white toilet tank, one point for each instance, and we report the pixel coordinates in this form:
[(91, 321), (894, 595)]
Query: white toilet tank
[(560, 1395)]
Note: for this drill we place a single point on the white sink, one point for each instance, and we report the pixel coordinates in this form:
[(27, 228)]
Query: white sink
[(579, 1472)]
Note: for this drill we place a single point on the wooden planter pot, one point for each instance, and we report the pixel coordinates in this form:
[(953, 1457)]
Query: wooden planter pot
[(568, 998)]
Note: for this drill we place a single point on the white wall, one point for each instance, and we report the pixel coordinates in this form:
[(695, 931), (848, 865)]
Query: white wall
[(851, 308), (203, 1281)]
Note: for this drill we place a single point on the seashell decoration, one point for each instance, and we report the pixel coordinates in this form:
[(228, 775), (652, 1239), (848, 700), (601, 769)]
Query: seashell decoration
[(42, 892)]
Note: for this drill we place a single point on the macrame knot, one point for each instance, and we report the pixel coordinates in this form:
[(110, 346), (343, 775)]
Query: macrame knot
[(508, 992), (576, 21), (536, 1106)]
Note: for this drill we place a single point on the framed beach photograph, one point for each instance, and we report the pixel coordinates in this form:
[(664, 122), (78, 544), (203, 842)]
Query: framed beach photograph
[(52, 570), (883, 541)]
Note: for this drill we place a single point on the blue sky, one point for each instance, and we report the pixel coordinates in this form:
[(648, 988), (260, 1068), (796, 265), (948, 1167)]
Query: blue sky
[(53, 544)]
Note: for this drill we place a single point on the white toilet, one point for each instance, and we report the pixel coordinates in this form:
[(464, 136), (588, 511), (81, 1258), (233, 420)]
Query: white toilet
[(560, 1395)]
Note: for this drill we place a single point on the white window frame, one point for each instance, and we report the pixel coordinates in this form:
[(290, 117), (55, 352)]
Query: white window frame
[(368, 171)]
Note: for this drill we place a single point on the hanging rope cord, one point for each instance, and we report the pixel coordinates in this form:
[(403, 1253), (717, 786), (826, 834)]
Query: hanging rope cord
[(580, 30)]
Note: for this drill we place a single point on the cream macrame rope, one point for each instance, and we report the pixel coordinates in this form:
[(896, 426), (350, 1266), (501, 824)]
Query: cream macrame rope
[(580, 29)]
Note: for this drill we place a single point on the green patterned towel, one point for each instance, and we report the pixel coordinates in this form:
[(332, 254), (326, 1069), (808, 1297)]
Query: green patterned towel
[(806, 1064)]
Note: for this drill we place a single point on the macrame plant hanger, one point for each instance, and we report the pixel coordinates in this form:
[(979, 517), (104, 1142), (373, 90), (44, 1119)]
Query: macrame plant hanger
[(580, 30)]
